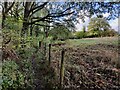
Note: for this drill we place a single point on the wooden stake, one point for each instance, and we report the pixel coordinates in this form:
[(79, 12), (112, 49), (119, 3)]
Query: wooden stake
[(49, 58), (39, 44), (62, 69)]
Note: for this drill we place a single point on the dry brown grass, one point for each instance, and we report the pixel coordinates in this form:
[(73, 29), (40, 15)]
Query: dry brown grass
[(89, 68)]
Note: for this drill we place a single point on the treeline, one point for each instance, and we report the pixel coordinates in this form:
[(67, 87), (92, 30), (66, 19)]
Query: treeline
[(97, 27)]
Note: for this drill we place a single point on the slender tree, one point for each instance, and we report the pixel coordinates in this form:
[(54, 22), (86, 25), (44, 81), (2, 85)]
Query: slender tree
[(6, 7)]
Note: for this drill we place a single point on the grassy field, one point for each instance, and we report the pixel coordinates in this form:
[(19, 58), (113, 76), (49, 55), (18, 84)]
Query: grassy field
[(91, 67), (92, 41)]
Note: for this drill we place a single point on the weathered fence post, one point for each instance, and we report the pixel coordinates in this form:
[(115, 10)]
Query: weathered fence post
[(45, 45), (62, 68), (39, 44), (49, 58)]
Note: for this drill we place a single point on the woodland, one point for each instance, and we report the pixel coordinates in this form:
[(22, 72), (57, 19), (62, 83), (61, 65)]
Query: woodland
[(42, 50)]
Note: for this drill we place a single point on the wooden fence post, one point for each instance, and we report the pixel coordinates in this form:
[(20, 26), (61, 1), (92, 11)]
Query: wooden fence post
[(40, 44), (45, 45), (49, 58), (62, 68)]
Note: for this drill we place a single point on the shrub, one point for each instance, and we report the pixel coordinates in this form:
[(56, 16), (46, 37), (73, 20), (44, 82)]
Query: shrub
[(110, 33), (94, 33), (16, 77), (60, 33), (80, 34), (72, 36), (13, 79)]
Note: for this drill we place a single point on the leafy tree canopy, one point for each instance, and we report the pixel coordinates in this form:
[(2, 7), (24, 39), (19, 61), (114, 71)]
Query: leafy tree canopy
[(98, 24), (60, 32), (100, 27)]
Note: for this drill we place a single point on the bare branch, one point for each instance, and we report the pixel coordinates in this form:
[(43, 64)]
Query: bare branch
[(61, 15), (9, 7), (44, 25)]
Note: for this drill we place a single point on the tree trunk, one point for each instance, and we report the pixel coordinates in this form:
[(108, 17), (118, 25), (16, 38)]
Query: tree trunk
[(3, 20), (4, 14), (25, 19), (25, 26), (5, 10)]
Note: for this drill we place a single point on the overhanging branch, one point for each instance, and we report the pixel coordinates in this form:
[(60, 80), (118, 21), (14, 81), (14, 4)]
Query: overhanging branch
[(50, 16), (35, 9)]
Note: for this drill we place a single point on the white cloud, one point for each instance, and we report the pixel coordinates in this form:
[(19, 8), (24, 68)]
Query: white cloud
[(106, 15), (80, 25), (114, 24)]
